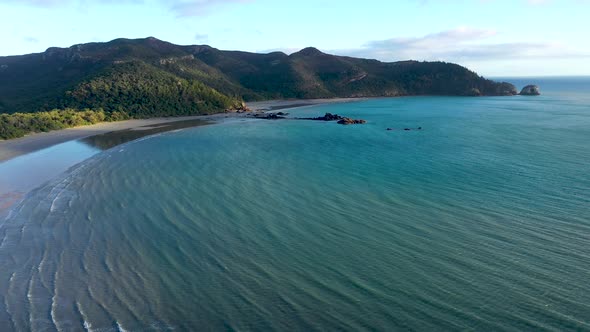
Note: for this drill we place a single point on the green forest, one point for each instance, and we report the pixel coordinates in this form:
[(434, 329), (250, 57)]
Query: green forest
[(130, 91), (19, 124)]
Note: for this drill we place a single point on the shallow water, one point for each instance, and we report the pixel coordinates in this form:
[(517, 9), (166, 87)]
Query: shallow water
[(478, 221), (109, 140), (24, 173)]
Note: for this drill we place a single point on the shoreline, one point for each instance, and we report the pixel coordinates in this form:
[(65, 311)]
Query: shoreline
[(26, 174), (13, 148)]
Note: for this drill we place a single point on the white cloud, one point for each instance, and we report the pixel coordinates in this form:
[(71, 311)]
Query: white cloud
[(30, 39), (201, 38), (460, 45), (197, 7)]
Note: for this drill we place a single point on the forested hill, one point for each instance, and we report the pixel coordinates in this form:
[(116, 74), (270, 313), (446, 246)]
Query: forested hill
[(149, 77)]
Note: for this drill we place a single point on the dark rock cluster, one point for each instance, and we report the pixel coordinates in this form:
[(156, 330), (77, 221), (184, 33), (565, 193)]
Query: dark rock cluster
[(270, 116), (405, 129), (348, 121), (326, 117), (335, 117)]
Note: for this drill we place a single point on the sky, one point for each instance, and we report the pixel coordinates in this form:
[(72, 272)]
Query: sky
[(492, 37)]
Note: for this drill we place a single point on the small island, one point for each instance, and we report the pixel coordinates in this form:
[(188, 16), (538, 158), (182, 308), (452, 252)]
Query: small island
[(530, 90)]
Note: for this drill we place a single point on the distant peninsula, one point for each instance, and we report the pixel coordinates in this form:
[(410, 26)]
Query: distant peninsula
[(144, 78)]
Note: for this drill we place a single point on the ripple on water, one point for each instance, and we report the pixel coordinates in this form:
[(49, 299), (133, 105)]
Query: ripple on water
[(304, 225)]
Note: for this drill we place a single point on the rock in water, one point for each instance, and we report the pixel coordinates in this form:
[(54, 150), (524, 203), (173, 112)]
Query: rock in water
[(335, 117), (530, 90), (349, 121), (328, 117)]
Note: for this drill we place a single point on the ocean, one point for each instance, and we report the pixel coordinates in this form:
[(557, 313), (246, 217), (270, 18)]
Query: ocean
[(478, 221)]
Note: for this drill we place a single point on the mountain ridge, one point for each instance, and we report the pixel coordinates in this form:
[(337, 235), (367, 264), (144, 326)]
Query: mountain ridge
[(127, 72)]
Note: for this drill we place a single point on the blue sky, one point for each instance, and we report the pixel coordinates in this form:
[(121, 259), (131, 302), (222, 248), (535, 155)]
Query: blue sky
[(492, 37)]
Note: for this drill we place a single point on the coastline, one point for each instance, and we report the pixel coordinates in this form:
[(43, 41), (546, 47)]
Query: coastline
[(24, 160), (12, 148)]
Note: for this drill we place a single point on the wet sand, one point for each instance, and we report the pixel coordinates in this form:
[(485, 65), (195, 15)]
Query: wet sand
[(27, 174), (38, 141)]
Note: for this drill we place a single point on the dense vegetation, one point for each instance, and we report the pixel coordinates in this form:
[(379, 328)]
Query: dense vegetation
[(131, 90), (19, 124), (141, 90), (148, 77)]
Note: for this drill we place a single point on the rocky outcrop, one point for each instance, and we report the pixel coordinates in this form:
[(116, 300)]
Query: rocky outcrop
[(349, 121), (492, 89), (474, 92), (405, 129), (326, 117), (173, 60), (335, 117), (71, 54), (530, 90), (242, 108), (506, 89), (270, 116)]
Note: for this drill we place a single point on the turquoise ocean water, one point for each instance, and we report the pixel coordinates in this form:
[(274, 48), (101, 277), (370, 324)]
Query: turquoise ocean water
[(480, 221)]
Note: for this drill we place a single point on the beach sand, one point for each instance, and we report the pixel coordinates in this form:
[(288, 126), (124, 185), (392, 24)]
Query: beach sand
[(25, 175), (38, 141)]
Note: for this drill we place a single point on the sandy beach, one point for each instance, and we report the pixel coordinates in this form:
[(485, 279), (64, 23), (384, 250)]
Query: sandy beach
[(18, 176), (38, 141)]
